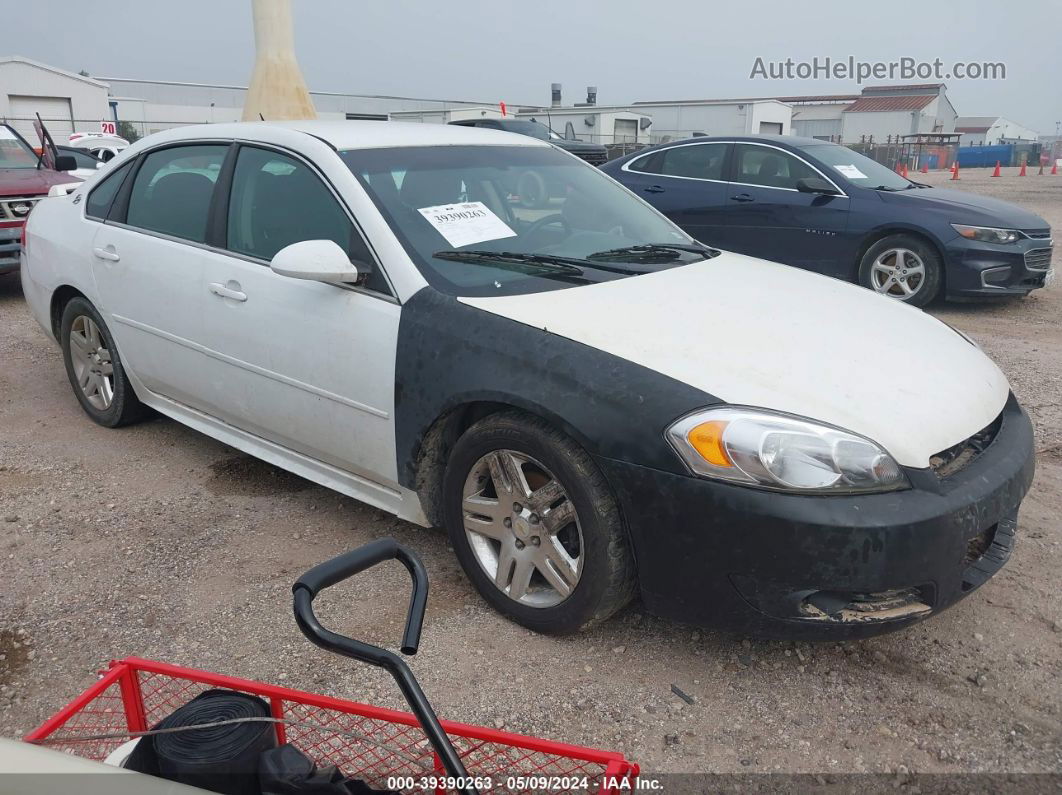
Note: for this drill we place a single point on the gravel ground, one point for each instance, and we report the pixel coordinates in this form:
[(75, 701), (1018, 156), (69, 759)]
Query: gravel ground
[(159, 542)]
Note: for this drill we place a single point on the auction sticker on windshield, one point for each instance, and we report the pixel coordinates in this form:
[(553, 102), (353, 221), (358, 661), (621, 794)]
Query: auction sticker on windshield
[(851, 172), (467, 223)]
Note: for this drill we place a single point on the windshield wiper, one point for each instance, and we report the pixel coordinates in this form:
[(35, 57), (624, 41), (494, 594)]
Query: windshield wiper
[(653, 252), (567, 266)]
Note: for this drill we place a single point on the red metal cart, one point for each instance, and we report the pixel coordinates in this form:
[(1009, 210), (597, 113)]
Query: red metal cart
[(386, 748)]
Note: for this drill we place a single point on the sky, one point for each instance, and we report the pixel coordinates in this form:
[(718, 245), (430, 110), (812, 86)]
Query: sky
[(501, 50)]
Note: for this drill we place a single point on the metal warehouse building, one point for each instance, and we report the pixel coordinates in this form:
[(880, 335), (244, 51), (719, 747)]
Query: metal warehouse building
[(64, 100), (683, 119), (992, 130), (878, 113)]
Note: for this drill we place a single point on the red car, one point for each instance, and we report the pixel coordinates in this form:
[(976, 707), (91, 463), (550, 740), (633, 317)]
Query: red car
[(23, 182)]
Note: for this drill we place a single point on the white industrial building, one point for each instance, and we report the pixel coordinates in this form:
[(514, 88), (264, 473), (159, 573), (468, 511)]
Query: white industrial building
[(878, 113), (677, 119), (64, 100), (884, 111), (992, 130)]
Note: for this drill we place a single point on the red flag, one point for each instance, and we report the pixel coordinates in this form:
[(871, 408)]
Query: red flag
[(502, 106)]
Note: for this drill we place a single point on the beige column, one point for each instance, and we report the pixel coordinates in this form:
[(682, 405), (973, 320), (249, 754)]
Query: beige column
[(277, 89)]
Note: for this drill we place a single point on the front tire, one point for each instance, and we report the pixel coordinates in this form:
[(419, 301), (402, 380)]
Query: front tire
[(534, 525), (95, 369), (903, 267)]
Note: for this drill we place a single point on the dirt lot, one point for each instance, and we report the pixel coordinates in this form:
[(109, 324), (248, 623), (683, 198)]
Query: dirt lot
[(158, 542)]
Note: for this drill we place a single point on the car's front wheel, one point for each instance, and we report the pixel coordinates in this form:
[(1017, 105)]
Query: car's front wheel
[(535, 526), (94, 368), (903, 267)]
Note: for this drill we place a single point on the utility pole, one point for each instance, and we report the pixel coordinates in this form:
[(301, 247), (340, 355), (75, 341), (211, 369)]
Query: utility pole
[(278, 90)]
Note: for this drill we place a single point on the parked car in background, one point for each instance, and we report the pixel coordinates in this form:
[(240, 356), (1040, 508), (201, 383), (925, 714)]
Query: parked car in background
[(23, 182), (595, 154), (532, 188), (100, 145), (86, 162), (823, 207), (591, 403)]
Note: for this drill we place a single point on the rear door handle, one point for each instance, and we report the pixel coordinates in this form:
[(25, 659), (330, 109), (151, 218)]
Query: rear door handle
[(108, 254), (742, 197), (653, 189), (227, 292)]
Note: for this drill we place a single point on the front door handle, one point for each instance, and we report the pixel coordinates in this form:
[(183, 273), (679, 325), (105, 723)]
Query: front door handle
[(742, 197), (108, 254), (228, 292), (653, 189)]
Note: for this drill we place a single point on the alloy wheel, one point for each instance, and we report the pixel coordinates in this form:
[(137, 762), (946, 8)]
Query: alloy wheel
[(523, 528), (898, 273), (92, 363)]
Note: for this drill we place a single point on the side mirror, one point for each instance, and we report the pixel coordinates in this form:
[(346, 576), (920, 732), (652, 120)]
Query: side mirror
[(65, 163), (318, 261), (816, 185)]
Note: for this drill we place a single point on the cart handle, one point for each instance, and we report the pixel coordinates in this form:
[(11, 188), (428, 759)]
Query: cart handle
[(324, 575), (345, 566)]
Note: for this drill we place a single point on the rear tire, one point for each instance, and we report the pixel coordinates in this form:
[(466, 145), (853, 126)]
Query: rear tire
[(903, 267), (95, 369), (562, 562)]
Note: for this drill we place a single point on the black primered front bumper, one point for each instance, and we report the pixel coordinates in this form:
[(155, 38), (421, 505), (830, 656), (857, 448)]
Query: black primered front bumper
[(824, 567)]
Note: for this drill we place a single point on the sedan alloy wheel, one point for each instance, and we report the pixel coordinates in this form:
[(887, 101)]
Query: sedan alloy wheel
[(92, 364), (523, 528)]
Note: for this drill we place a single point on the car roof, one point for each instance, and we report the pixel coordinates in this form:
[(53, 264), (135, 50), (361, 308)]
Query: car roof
[(342, 134), (785, 141)]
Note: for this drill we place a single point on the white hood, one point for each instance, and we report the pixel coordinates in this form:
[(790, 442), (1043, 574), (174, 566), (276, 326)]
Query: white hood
[(757, 333)]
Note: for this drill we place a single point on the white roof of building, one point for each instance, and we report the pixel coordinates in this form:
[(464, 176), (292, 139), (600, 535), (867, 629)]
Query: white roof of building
[(353, 134), (37, 64)]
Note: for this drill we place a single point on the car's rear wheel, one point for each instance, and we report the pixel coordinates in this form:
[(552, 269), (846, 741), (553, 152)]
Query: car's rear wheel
[(903, 267), (534, 525), (94, 368)]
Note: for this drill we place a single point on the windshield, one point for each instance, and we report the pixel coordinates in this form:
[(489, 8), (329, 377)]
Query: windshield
[(534, 202), (14, 153), (856, 168)]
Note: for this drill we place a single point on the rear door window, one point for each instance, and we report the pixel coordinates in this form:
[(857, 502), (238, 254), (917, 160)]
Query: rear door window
[(173, 189), (696, 161), (102, 196), (769, 167)]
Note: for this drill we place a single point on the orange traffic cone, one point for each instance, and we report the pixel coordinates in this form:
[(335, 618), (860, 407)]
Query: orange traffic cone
[(1054, 169), (955, 171), (1022, 172), (996, 172), (925, 167), (903, 173)]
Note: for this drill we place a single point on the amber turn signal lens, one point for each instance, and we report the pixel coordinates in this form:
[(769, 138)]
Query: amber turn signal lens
[(707, 439)]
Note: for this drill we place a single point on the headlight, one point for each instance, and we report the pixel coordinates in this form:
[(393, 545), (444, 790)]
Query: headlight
[(761, 448), (987, 234)]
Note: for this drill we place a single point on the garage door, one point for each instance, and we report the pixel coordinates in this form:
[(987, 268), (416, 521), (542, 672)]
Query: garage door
[(770, 128), (54, 111)]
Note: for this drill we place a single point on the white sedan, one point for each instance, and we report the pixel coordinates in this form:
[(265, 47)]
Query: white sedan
[(593, 404)]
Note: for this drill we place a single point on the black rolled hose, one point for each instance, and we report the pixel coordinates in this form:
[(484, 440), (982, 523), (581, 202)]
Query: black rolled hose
[(222, 759)]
